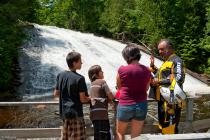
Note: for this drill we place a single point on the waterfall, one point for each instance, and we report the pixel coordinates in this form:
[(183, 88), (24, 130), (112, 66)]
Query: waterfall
[(44, 56)]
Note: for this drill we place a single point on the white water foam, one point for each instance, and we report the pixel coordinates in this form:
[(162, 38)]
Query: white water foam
[(45, 55)]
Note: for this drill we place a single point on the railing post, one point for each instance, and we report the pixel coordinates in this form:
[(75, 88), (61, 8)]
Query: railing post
[(189, 114)]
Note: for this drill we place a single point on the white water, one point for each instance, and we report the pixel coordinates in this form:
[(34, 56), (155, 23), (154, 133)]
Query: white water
[(43, 58)]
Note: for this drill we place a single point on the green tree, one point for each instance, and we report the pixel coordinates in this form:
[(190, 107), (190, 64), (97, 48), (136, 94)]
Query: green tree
[(11, 35), (205, 44), (150, 21), (80, 15), (118, 18), (181, 21)]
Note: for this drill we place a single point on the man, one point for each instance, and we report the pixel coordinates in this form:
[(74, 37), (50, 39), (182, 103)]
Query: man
[(72, 92), (170, 73)]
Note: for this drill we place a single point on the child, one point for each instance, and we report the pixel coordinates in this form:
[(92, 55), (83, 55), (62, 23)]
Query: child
[(100, 95), (71, 90)]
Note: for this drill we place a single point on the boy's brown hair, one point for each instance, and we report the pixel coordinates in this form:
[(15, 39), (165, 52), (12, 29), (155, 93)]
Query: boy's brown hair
[(72, 57)]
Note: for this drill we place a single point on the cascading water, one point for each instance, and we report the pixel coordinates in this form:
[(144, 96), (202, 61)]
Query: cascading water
[(43, 57)]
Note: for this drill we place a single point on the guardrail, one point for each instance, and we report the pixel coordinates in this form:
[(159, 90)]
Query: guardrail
[(56, 132), (189, 106), (49, 132), (28, 103)]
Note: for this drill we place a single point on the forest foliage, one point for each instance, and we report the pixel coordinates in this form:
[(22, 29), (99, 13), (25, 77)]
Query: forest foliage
[(185, 22), (11, 35)]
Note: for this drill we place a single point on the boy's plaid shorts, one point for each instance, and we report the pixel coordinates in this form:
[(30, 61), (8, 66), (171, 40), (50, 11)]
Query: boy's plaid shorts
[(74, 129)]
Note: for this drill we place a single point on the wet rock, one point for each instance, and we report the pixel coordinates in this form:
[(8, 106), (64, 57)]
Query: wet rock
[(40, 107), (206, 104)]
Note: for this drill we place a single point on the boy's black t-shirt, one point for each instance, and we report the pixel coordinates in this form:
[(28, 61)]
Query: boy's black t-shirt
[(70, 84)]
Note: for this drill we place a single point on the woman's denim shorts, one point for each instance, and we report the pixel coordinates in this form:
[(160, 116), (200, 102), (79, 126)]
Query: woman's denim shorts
[(128, 112)]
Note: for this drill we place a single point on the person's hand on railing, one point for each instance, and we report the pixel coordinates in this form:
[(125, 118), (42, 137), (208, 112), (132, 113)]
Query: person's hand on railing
[(56, 98)]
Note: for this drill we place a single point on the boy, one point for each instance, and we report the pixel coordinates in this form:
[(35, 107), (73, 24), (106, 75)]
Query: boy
[(100, 95), (71, 90)]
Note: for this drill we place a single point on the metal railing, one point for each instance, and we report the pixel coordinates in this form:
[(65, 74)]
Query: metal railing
[(56, 132)]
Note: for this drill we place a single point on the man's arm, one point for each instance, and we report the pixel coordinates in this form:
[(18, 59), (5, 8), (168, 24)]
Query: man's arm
[(178, 71)]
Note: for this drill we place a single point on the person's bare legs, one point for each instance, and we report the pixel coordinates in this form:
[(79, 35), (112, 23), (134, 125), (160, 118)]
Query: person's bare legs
[(136, 128), (120, 129)]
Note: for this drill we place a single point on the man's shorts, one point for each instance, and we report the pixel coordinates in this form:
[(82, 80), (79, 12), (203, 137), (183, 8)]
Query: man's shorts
[(128, 112)]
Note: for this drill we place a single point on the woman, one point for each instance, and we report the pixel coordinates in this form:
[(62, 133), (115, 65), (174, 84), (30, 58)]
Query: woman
[(133, 82)]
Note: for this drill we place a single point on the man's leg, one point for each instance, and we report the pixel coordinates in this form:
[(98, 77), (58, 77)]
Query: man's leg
[(160, 113), (177, 118)]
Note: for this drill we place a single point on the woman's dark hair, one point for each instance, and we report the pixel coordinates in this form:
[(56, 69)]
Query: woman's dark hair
[(93, 72), (72, 57), (131, 53)]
